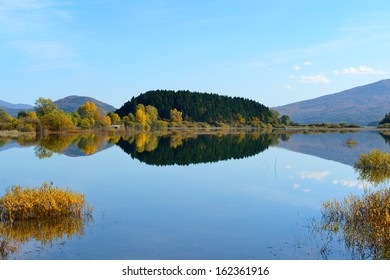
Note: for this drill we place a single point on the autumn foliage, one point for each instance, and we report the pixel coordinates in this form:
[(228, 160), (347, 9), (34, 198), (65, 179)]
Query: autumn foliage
[(44, 202)]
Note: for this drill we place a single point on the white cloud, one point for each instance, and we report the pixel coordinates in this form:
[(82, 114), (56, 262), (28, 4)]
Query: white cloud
[(314, 79), (306, 190), (307, 63), (316, 175), (362, 69), (297, 67), (289, 87), (296, 186)]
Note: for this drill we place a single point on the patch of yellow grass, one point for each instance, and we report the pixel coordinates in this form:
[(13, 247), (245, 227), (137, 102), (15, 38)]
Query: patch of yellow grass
[(374, 166), (365, 222), (43, 202)]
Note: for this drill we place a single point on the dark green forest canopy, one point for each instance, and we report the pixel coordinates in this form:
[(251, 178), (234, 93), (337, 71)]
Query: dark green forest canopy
[(200, 107), (386, 119)]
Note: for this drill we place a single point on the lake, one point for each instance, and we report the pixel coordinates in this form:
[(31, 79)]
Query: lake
[(189, 196)]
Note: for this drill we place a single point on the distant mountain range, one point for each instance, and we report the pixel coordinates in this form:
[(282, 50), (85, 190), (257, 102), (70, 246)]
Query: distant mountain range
[(15, 106), (13, 109), (364, 105), (73, 102), (68, 104)]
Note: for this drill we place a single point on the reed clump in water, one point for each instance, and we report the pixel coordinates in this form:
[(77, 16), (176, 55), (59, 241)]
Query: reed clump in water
[(374, 166), (43, 202)]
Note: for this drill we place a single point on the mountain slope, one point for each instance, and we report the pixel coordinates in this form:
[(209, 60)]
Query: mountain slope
[(73, 102), (14, 109), (15, 106), (364, 105)]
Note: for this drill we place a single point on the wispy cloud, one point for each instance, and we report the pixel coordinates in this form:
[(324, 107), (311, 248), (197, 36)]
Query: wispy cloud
[(316, 175), (37, 20), (20, 4), (362, 69), (314, 79), (297, 67)]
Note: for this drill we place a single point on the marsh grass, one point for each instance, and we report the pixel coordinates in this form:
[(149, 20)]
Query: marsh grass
[(350, 143), (44, 214), (43, 202), (374, 166), (364, 222)]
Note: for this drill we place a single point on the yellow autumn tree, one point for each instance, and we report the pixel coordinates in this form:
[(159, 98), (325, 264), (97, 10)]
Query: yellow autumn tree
[(152, 114), (89, 111), (140, 115), (176, 116), (114, 118)]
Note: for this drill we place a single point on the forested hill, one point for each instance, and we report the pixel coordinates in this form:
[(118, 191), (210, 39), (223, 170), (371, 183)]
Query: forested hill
[(199, 107)]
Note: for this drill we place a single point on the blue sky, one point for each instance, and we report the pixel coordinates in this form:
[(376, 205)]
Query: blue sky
[(275, 52)]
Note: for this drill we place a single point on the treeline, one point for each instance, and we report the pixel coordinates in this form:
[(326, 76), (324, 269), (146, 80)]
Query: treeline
[(385, 122), (47, 117), (204, 107), (153, 110)]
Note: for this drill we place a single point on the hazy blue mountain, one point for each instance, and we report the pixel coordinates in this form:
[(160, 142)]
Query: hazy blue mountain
[(73, 102), (364, 105), (15, 106), (14, 109)]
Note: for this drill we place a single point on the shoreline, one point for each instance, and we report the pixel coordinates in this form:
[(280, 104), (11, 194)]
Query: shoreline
[(200, 130)]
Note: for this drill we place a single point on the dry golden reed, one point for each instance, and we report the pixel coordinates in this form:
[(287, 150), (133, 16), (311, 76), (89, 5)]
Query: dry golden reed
[(43, 202), (374, 166), (364, 221)]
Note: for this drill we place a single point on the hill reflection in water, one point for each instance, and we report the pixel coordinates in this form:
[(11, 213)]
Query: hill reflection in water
[(193, 149), (189, 147)]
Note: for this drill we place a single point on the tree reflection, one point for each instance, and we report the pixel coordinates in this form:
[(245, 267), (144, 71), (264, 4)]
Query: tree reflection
[(84, 144), (53, 143), (188, 148)]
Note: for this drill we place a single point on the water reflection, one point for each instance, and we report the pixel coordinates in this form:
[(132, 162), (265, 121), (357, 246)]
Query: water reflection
[(45, 231), (185, 149), (191, 147), (73, 145), (386, 136), (362, 222), (344, 148)]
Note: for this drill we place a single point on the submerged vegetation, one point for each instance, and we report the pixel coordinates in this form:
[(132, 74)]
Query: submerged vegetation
[(364, 221), (350, 143), (374, 166), (44, 214)]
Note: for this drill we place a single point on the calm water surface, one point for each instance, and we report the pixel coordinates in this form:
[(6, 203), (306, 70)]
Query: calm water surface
[(186, 197)]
